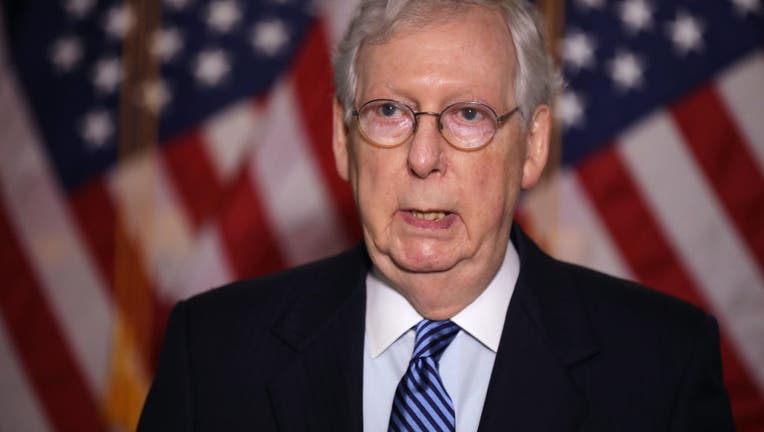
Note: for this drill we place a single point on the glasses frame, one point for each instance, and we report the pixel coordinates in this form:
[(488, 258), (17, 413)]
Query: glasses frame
[(498, 121)]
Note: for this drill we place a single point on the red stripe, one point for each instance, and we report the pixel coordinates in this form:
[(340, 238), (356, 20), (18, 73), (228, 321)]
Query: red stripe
[(313, 81), (654, 263), (727, 163), (49, 364), (194, 177), (250, 247), (129, 284), (94, 212)]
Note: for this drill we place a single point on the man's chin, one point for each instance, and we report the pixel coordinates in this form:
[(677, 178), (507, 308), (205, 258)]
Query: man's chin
[(424, 261)]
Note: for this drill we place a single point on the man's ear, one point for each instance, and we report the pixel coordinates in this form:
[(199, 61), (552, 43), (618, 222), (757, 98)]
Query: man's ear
[(537, 146), (340, 140)]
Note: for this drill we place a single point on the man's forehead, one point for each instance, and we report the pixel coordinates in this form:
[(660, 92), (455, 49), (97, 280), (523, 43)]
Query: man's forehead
[(474, 46)]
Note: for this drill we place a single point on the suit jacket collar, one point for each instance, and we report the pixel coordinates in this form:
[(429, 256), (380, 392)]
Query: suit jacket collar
[(538, 373), (322, 388)]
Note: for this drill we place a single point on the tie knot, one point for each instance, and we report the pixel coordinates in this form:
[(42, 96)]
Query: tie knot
[(433, 337)]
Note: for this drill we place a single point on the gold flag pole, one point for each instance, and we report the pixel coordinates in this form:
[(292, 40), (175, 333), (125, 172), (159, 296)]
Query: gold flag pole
[(132, 291)]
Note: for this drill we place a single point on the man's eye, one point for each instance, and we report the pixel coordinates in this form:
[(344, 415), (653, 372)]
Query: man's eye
[(470, 114), (388, 110)]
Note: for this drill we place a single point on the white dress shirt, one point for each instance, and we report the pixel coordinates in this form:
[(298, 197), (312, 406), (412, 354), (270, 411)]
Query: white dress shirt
[(465, 366)]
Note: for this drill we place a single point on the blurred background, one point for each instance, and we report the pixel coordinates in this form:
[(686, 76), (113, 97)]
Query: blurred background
[(151, 150)]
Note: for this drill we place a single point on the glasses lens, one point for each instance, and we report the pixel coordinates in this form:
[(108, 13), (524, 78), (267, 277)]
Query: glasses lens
[(468, 125), (385, 122)]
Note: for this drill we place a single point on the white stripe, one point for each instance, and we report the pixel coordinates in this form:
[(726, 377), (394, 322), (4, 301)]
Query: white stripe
[(205, 268), (19, 408), (583, 238), (40, 217), (231, 136), (152, 216), (742, 88), (337, 14), (690, 216), (301, 212)]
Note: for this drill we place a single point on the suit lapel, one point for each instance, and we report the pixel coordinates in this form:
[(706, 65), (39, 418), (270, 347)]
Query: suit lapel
[(538, 375), (546, 342), (322, 388)]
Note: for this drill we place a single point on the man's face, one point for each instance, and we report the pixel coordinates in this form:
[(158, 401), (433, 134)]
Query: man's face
[(427, 208)]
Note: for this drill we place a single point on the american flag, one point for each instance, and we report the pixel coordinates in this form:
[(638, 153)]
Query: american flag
[(152, 150)]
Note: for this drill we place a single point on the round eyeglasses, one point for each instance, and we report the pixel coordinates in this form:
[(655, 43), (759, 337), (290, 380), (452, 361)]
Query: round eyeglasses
[(465, 125)]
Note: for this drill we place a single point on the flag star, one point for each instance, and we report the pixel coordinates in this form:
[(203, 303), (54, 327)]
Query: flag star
[(66, 53), (212, 66), (107, 74), (178, 5), (590, 4), (626, 70), (744, 7), (223, 15), (637, 15), (155, 95), (79, 8), (270, 37), (119, 21), (570, 109), (686, 33), (578, 50), (96, 128), (167, 43)]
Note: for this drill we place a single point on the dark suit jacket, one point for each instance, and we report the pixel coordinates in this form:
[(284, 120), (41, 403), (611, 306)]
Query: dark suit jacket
[(580, 351)]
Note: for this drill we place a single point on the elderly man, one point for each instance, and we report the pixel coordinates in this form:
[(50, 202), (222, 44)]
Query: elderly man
[(447, 317)]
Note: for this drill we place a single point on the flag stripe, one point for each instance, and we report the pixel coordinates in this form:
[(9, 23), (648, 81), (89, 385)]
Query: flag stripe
[(21, 410), (92, 208), (153, 217), (206, 267), (742, 89), (41, 221), (231, 136), (62, 388), (337, 14), (312, 77), (727, 164), (194, 176), (249, 245), (644, 248), (298, 206), (690, 217), (632, 227), (120, 264), (599, 250)]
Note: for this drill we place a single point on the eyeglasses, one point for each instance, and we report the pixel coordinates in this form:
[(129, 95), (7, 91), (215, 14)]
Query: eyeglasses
[(465, 125)]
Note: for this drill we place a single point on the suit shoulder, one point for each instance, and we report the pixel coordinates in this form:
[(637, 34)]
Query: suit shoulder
[(268, 295), (620, 301)]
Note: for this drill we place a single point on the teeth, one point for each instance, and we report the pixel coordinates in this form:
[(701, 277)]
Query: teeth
[(430, 216)]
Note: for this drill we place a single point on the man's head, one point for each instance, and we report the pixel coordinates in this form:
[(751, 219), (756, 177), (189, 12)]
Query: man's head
[(436, 205)]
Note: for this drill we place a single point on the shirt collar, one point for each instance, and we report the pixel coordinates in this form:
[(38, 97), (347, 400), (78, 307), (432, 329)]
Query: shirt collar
[(483, 319)]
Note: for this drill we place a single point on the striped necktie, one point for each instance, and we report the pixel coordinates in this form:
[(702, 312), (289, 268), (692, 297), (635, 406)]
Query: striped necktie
[(421, 402)]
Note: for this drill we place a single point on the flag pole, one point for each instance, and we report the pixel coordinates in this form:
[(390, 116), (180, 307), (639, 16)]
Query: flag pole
[(133, 298)]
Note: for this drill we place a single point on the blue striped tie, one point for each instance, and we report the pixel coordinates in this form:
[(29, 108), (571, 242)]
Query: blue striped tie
[(421, 402)]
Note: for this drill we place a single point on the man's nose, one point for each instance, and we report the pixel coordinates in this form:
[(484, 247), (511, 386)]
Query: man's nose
[(426, 149)]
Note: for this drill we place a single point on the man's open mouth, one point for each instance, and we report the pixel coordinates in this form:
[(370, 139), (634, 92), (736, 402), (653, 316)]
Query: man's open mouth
[(429, 215)]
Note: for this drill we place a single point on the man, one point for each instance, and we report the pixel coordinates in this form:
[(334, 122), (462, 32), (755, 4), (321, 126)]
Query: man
[(447, 317)]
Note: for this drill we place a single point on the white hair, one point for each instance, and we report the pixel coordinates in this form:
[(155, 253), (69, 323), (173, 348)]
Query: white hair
[(375, 21)]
